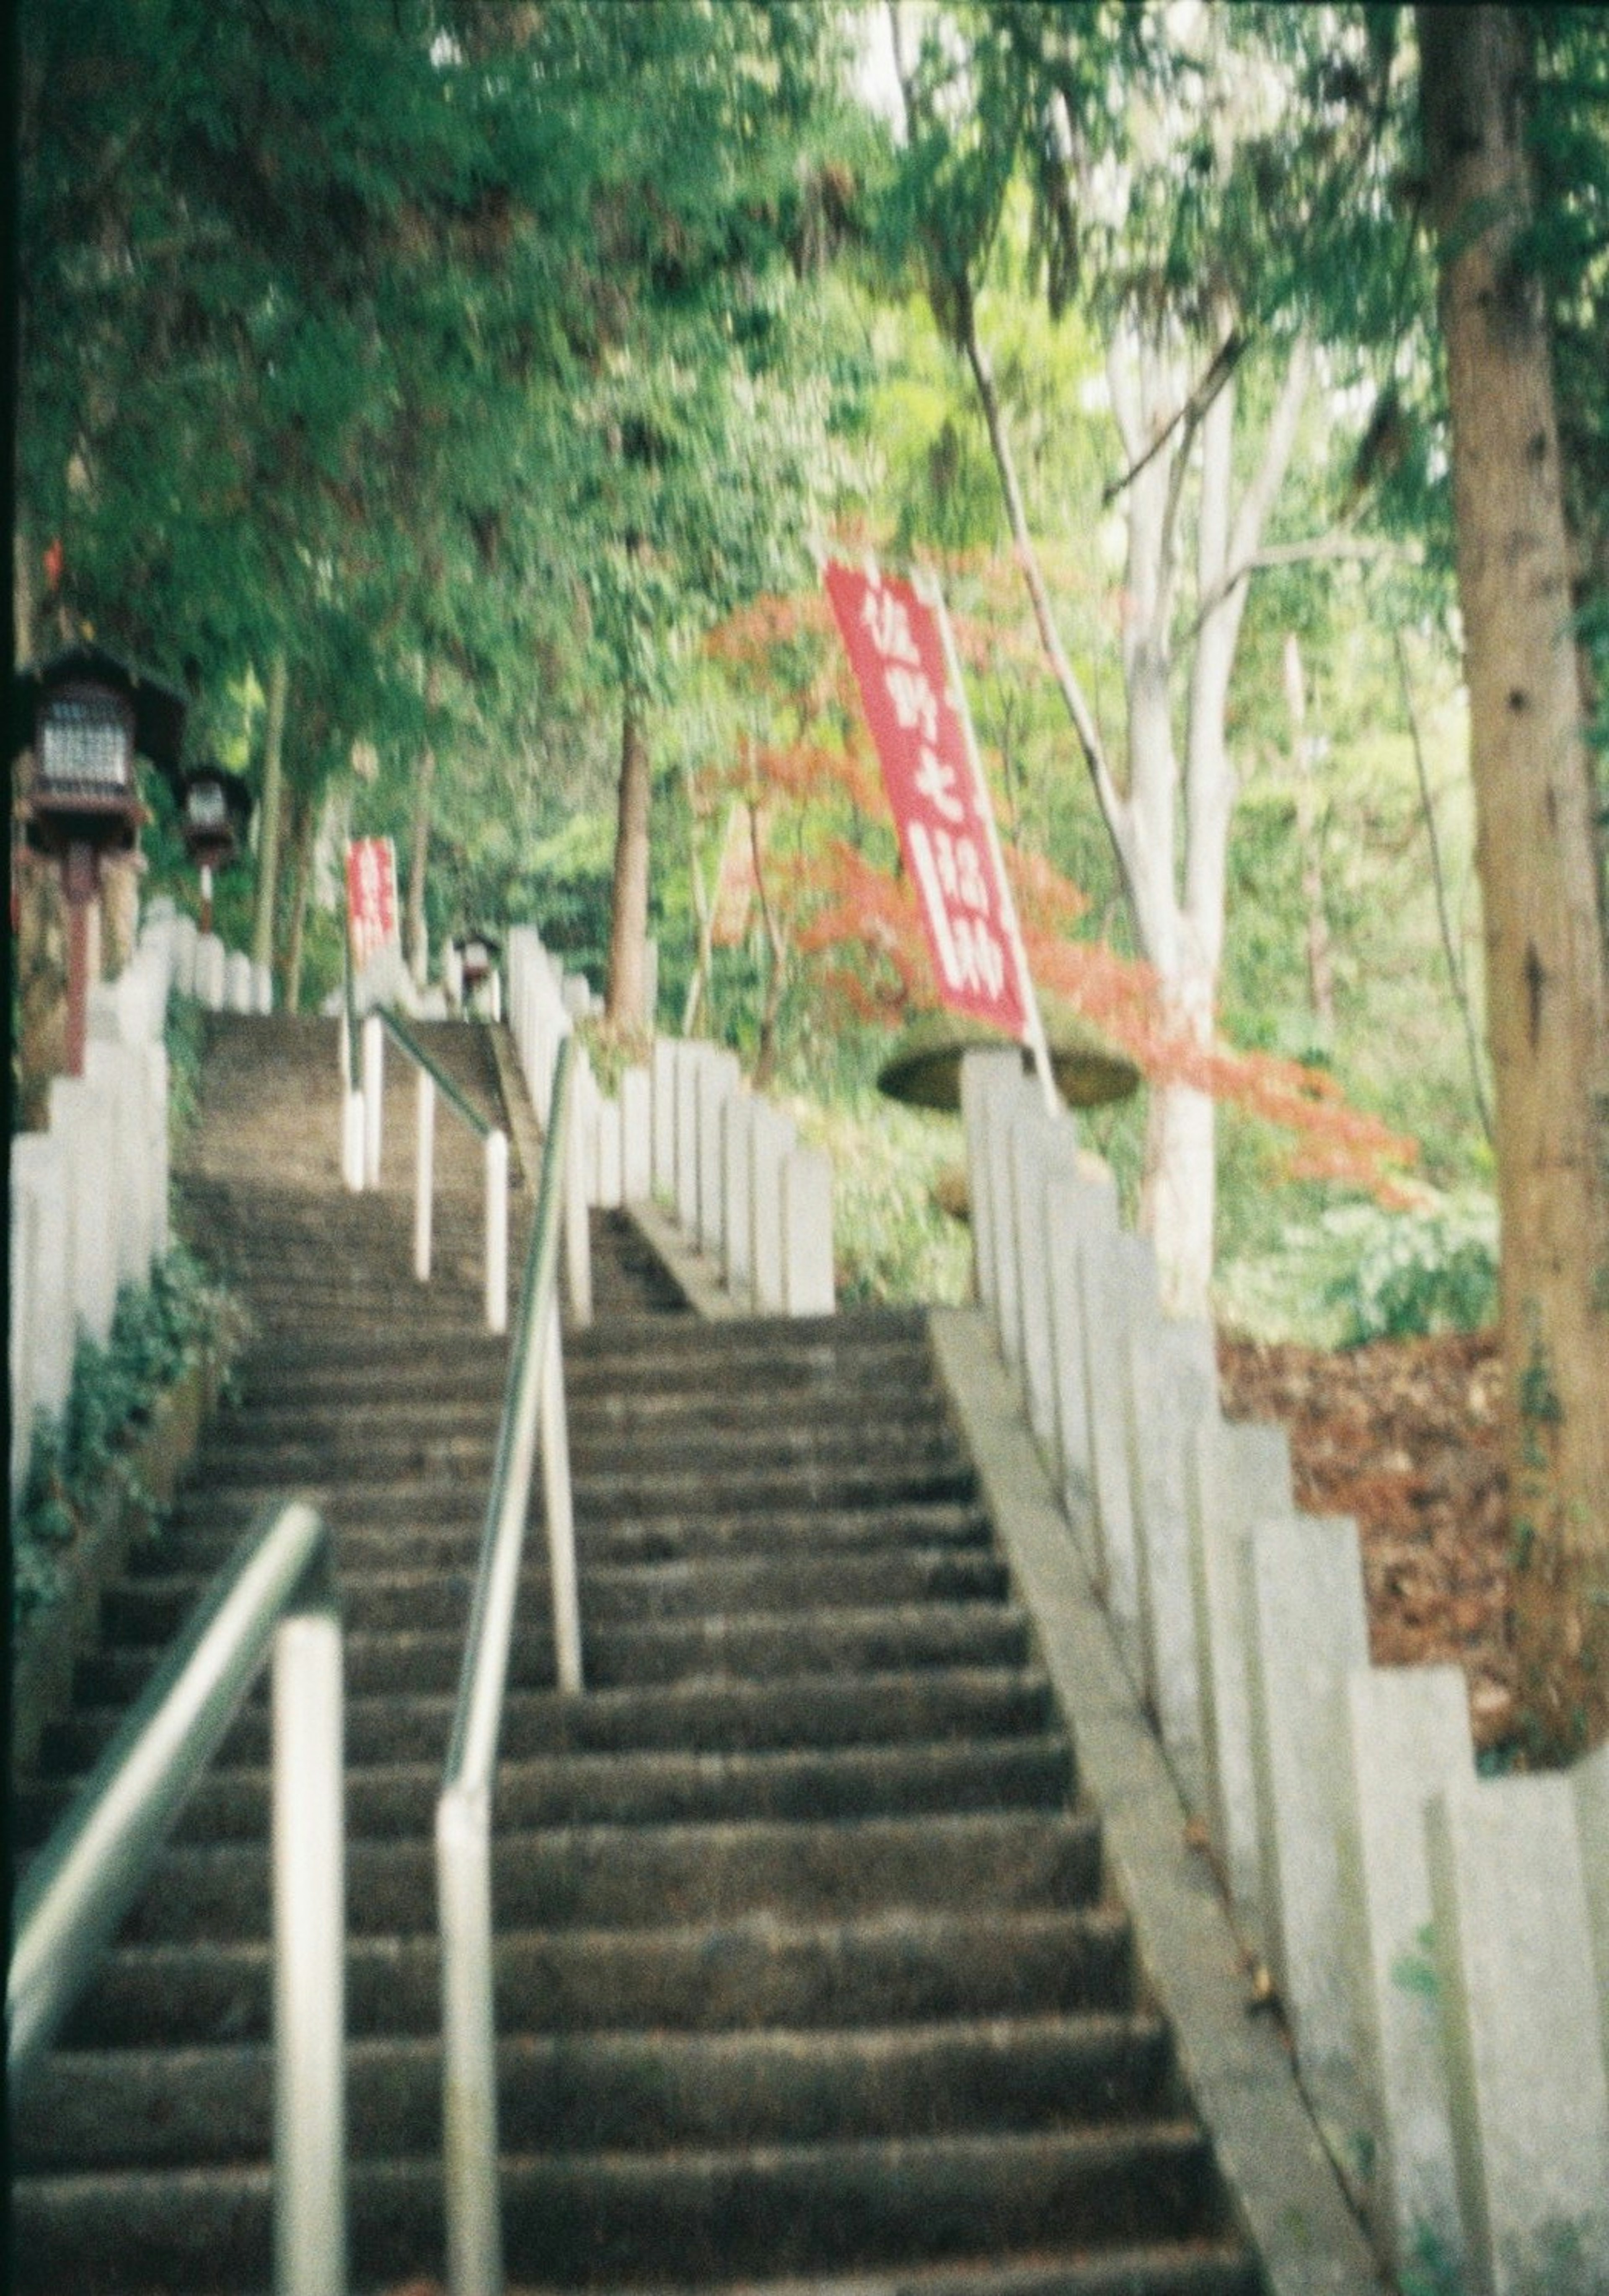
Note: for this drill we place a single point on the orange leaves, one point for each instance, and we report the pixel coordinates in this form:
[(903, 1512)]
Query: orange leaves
[(832, 875)]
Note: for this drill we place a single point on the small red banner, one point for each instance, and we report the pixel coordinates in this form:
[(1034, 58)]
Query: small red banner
[(941, 806), (372, 919)]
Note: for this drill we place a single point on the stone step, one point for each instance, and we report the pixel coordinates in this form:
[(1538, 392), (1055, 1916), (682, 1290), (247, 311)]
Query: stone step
[(594, 2218), (602, 1876), (150, 1608), (201, 1533), (233, 1804), (598, 1411), (405, 1445), (1206, 2266), (631, 2092), (718, 1717), (838, 1485), (765, 1644), (915, 1964)]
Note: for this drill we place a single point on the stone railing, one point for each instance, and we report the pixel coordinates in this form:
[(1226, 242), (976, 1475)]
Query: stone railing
[(1439, 1941), (687, 1129), (221, 979), (89, 1194)]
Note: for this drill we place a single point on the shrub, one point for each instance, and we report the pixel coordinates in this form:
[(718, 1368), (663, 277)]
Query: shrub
[(1417, 1272), (157, 1332)]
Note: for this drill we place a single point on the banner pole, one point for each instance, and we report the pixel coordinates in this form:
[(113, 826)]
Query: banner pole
[(928, 590)]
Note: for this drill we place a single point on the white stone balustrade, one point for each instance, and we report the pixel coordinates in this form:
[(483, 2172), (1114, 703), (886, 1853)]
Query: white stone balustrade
[(89, 1194), (1440, 1946), (687, 1130)]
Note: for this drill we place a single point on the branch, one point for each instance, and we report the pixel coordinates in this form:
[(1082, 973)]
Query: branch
[(1289, 553), (1455, 970), (1281, 436), (1225, 361), (1113, 809)]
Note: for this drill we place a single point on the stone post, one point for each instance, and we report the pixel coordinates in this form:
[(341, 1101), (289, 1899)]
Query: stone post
[(986, 1074), (1042, 1148), (1305, 1605), (689, 1064), (1407, 1737), (1235, 1475), (81, 1117), (1170, 1377), (1075, 1210), (636, 1135), (610, 1156), (1119, 1306), (240, 988), (774, 1140), (121, 1074), (186, 941), (1591, 1781), (718, 1078), (807, 1276), (1529, 2100), (666, 1053), (737, 1186)]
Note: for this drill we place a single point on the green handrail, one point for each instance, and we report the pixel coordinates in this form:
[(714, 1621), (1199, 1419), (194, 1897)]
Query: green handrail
[(481, 1126)]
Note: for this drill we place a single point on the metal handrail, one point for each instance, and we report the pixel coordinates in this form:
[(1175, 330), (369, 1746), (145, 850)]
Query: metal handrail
[(534, 1403), (277, 1593), (479, 1125), (364, 1153)]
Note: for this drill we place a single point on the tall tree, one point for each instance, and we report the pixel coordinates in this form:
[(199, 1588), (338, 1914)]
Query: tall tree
[(1082, 106), (1546, 999)]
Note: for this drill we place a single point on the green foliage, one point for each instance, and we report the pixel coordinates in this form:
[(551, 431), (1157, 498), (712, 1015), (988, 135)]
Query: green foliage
[(891, 1242), (184, 1033), (1356, 1272), (157, 1332)]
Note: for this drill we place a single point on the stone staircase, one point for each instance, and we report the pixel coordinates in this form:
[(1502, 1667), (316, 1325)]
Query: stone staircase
[(806, 1977)]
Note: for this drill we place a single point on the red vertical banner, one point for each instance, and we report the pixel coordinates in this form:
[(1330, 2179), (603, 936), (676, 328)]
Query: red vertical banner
[(372, 912), (896, 647)]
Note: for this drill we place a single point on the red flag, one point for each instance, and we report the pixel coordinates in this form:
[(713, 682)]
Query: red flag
[(372, 919), (940, 806)]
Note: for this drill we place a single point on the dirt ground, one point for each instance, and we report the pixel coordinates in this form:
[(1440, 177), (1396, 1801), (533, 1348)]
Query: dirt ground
[(1402, 1435)]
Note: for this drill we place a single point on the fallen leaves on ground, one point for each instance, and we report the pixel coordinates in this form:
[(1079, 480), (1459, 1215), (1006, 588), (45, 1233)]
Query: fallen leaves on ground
[(1402, 1435)]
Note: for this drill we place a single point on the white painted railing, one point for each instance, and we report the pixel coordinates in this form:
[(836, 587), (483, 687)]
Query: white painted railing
[(275, 1597), (533, 1425), (1440, 1942), (362, 1107), (688, 1129)]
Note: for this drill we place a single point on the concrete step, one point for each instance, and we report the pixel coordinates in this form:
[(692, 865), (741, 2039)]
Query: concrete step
[(754, 1647), (604, 1876), (595, 2218), (153, 1609), (201, 1531), (232, 1804), (914, 1965), (394, 1446), (626, 2092), (714, 1717)]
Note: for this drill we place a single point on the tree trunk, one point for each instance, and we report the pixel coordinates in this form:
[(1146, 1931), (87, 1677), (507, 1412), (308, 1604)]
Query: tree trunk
[(305, 838), (273, 808), (418, 945), (1546, 1018), (628, 909), (704, 920), (1320, 972)]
